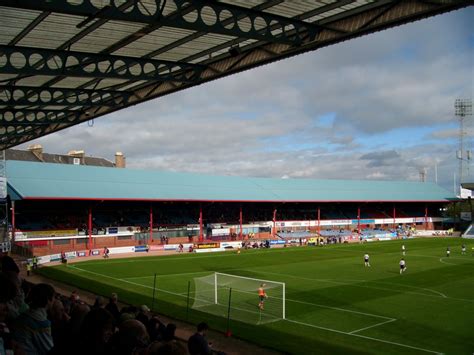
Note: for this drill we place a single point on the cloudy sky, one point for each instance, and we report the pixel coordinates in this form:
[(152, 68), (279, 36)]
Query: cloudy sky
[(377, 107)]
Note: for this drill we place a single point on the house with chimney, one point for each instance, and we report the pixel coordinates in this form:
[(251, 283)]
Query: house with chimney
[(35, 153)]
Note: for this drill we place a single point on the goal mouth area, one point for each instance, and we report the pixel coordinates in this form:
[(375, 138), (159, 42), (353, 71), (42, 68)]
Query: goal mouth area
[(237, 298)]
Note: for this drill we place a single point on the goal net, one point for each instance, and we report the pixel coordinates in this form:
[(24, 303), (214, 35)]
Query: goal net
[(214, 293)]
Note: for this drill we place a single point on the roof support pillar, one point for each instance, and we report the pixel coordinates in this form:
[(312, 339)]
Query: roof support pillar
[(319, 221), (274, 222), (426, 217), (90, 228), (201, 234), (13, 222), (358, 220), (394, 217), (151, 223), (240, 220)]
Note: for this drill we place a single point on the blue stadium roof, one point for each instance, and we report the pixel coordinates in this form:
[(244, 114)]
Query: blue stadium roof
[(30, 180)]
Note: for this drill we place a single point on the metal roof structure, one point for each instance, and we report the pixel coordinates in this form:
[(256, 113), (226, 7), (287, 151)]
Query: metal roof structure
[(34, 181), (63, 62)]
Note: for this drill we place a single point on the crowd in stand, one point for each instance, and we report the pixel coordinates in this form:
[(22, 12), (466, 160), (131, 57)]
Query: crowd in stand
[(34, 319)]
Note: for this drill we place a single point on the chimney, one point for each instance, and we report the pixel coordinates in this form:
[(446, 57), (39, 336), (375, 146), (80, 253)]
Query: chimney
[(37, 150), (119, 160), (78, 156)]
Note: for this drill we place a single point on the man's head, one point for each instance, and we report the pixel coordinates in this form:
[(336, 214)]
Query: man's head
[(202, 328), (41, 296), (114, 297)]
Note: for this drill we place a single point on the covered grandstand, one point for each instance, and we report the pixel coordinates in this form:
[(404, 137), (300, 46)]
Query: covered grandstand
[(75, 207)]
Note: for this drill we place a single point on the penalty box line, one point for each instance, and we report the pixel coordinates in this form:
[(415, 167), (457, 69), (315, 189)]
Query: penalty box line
[(362, 336)]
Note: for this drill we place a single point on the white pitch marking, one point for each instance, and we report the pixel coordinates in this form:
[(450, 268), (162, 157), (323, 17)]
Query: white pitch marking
[(356, 285), (167, 275), (373, 326), (363, 336)]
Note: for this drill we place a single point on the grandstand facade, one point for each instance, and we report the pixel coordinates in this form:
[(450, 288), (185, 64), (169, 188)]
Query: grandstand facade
[(58, 207)]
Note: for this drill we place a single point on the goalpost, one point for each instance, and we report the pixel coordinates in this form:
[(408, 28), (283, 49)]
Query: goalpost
[(212, 295)]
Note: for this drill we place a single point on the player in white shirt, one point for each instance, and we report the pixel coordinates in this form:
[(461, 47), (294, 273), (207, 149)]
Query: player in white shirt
[(448, 251), (403, 249), (463, 249), (366, 260), (402, 266)]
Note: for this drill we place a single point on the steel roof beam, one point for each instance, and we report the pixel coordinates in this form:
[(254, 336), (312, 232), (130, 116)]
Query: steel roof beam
[(24, 60), (31, 95), (35, 123), (206, 17)]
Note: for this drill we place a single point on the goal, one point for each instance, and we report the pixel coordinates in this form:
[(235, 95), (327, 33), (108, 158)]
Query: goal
[(217, 293)]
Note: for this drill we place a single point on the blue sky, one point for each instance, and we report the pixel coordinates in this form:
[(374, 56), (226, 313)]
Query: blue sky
[(377, 107)]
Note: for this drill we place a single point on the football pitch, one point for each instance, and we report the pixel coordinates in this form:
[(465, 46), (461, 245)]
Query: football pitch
[(333, 303)]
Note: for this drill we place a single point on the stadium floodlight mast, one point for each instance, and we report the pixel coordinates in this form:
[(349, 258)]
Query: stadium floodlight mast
[(462, 109)]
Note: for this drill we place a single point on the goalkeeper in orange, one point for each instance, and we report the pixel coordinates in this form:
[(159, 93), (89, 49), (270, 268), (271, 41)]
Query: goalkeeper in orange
[(261, 296)]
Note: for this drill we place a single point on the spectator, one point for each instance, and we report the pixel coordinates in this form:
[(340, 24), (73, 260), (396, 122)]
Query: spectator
[(78, 314), (32, 328), (144, 315), (173, 348), (132, 338), (8, 264), (197, 343), (99, 302), (16, 305), (8, 291), (112, 307), (59, 321), (96, 331), (156, 329), (170, 332)]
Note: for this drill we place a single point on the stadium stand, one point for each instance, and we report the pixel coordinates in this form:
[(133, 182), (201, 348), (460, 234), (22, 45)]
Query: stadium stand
[(78, 207), (35, 319)]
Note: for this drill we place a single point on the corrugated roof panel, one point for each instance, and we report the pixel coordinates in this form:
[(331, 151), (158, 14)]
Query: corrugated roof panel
[(107, 35), (42, 180), (37, 80), (153, 41), (52, 32), (14, 21), (106, 83), (71, 82), (196, 46)]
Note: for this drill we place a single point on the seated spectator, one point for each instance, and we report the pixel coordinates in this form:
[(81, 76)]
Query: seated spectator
[(96, 332), (33, 328), (59, 321), (112, 307), (132, 338), (173, 348), (197, 343), (170, 333), (156, 329), (99, 302), (7, 293), (144, 315), (16, 305), (8, 264), (78, 314)]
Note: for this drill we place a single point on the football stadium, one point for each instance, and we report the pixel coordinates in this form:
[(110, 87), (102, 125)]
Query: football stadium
[(104, 259)]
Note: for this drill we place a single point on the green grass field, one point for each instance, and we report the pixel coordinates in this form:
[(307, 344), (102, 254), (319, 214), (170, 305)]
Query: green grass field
[(333, 303)]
